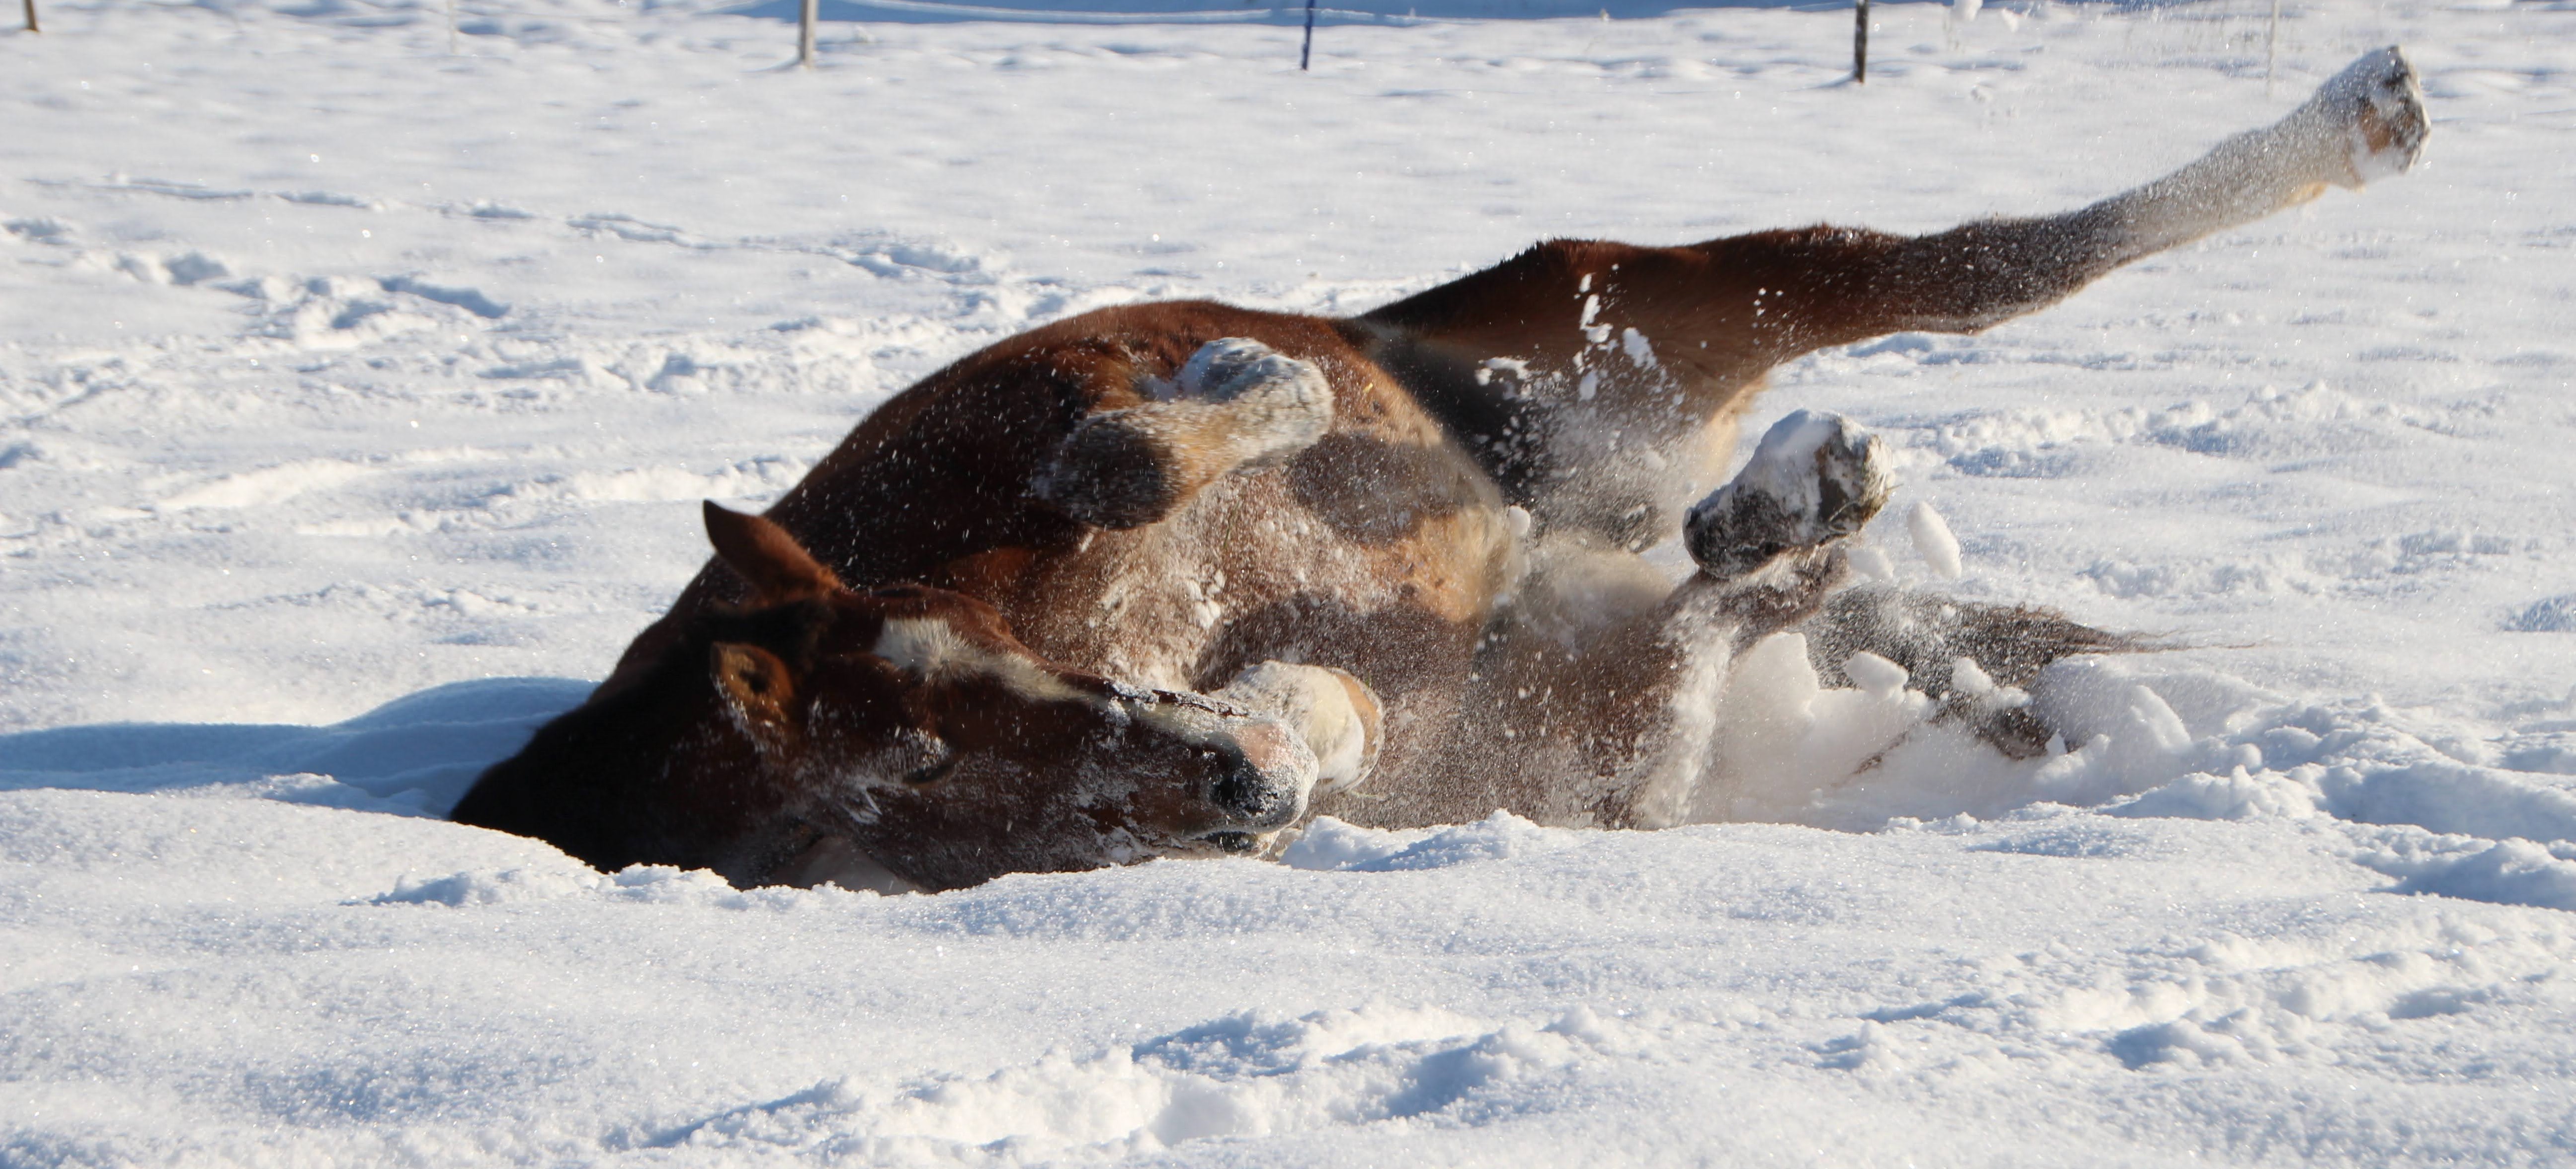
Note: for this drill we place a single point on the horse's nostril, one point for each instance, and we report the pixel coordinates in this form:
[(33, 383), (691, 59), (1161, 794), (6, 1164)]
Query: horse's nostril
[(1243, 789)]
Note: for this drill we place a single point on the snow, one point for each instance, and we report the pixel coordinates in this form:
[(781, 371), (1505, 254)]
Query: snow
[(359, 378), (1933, 540)]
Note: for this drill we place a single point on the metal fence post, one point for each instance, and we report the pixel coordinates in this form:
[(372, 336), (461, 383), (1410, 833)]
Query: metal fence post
[(1860, 42)]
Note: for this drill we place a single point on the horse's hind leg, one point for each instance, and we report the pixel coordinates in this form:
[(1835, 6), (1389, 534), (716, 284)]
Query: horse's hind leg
[(1765, 545), (1236, 403), (1708, 318), (1834, 287)]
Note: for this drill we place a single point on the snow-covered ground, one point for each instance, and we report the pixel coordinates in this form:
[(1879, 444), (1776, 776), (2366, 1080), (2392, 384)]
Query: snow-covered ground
[(359, 378)]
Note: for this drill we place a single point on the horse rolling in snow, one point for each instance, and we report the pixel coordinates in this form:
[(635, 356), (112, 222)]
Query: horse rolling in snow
[(1165, 579)]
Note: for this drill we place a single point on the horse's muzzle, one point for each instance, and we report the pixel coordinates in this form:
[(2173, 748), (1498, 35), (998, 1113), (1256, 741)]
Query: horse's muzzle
[(1263, 781)]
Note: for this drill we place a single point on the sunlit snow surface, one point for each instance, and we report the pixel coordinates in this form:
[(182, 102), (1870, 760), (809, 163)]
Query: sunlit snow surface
[(359, 378)]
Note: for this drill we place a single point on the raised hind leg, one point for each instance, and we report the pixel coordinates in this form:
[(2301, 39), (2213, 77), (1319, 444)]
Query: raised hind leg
[(1726, 309), (1598, 382), (1837, 287), (1236, 403)]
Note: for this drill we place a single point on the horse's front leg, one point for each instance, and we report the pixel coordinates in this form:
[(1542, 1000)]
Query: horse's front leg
[(1769, 545), (1815, 479), (1236, 403), (1340, 717), (1590, 704)]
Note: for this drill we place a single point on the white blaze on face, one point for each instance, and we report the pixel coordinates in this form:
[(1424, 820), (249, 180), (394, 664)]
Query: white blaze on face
[(929, 648)]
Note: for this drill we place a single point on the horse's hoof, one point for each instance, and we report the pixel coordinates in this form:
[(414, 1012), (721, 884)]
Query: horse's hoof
[(1340, 717), (1275, 404), (1814, 479), (1235, 404), (2379, 109)]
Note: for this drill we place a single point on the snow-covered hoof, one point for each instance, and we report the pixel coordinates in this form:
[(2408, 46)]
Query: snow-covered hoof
[(1338, 715), (1235, 403), (2373, 112), (1282, 404), (1814, 479)]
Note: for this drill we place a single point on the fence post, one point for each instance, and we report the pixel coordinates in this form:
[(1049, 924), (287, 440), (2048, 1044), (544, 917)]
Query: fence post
[(1860, 43), (2271, 48), (31, 17), (804, 35), (1304, 55)]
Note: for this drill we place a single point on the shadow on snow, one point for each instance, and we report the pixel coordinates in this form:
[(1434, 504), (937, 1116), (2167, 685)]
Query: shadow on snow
[(415, 755)]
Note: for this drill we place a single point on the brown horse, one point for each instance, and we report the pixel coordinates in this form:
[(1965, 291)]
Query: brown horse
[(1383, 567)]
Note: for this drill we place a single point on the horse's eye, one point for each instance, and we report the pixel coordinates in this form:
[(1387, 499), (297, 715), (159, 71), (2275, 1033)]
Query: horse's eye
[(935, 771)]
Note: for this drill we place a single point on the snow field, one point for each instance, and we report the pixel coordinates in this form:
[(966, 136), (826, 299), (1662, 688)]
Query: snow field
[(355, 396), (1618, 991)]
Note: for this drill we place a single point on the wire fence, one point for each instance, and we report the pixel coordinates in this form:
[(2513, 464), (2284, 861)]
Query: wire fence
[(2236, 36)]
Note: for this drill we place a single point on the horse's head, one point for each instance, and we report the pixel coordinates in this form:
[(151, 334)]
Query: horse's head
[(818, 729)]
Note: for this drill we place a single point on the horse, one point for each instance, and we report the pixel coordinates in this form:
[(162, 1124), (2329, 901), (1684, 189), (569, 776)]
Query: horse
[(1168, 579)]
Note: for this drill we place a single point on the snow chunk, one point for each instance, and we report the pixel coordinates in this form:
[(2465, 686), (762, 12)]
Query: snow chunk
[(1871, 563), (1876, 675), (1932, 539), (1640, 351)]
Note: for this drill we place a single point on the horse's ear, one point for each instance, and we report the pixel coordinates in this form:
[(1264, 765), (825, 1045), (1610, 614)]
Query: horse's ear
[(766, 557)]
